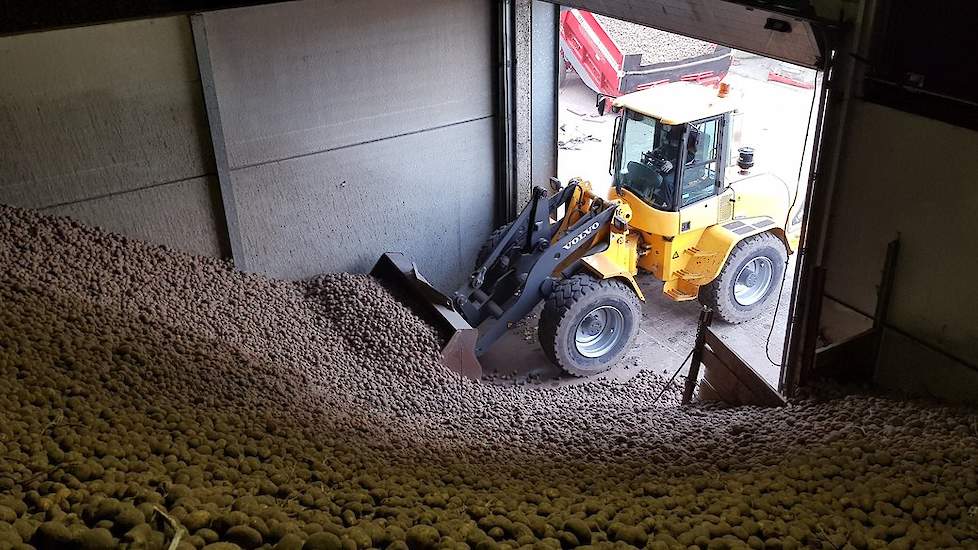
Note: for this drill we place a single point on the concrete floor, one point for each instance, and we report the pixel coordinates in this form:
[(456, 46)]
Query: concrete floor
[(665, 338), (776, 119)]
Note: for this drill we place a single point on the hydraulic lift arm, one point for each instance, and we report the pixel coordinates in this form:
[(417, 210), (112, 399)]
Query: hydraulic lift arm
[(542, 245), (519, 272)]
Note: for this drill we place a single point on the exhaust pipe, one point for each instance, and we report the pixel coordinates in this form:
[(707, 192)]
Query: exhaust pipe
[(745, 159)]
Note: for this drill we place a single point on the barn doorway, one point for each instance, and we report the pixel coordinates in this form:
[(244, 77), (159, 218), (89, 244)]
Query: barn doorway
[(778, 112)]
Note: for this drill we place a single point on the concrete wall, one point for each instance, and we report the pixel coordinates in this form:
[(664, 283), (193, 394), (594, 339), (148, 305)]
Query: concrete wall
[(523, 98), (543, 118), (342, 135), (348, 135), (912, 177), (536, 62), (106, 124)]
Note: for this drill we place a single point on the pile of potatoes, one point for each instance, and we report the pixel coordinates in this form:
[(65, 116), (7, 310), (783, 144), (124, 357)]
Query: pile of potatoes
[(153, 399)]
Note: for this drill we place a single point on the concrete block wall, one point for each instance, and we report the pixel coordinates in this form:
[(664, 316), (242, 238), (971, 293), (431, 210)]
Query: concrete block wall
[(536, 61), (543, 114), (344, 130), (351, 132), (106, 124)]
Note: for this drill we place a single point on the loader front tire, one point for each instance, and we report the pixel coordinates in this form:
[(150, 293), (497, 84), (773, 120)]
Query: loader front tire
[(750, 280), (588, 324)]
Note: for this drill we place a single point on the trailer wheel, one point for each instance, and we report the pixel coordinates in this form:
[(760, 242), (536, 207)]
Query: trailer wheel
[(749, 281), (491, 242), (587, 324)]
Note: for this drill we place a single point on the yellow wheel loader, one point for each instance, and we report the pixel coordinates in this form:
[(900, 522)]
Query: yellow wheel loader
[(682, 208)]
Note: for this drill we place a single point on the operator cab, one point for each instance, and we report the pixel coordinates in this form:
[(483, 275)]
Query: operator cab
[(654, 156), (668, 148)]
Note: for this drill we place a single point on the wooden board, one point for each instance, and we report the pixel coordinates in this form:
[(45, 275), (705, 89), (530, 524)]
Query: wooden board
[(849, 360), (732, 380)]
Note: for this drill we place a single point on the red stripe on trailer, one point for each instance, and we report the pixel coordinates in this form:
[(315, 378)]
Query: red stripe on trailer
[(775, 77), (593, 50), (650, 84), (602, 36), (696, 77), (706, 78)]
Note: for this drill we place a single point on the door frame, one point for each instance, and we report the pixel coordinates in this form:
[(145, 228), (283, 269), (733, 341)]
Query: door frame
[(835, 64)]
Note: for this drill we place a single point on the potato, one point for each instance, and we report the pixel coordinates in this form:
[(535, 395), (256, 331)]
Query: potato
[(145, 390), (52, 534), (423, 536), (323, 541), (96, 539), (9, 535), (197, 519), (290, 541), (207, 535), (7, 514), (244, 536)]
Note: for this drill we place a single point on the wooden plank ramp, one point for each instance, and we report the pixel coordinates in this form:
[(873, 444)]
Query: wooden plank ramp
[(730, 379)]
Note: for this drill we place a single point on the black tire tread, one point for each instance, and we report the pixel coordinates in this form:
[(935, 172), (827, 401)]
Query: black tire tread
[(564, 295), (710, 294)]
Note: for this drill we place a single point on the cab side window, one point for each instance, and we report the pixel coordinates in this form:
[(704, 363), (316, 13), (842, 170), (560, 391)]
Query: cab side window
[(702, 152)]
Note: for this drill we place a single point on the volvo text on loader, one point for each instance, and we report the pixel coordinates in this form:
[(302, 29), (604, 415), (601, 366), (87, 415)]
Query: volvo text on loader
[(681, 208)]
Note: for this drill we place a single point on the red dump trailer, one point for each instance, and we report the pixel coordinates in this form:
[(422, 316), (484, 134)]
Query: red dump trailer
[(615, 57)]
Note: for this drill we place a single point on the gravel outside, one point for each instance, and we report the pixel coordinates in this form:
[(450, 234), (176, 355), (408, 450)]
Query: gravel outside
[(654, 45), (153, 399)]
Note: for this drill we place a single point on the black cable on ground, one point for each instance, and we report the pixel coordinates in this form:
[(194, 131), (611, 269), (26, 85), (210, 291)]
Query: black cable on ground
[(777, 306), (794, 202)]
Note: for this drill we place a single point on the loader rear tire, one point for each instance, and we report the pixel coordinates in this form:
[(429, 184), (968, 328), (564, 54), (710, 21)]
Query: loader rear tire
[(750, 280), (490, 244), (588, 324)]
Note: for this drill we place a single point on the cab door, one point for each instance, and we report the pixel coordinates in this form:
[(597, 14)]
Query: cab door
[(698, 192)]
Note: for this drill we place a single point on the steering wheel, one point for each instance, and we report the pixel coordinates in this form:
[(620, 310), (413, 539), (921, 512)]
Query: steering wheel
[(657, 160)]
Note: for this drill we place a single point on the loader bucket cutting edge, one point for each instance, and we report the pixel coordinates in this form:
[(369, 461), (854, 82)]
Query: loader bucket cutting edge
[(401, 275)]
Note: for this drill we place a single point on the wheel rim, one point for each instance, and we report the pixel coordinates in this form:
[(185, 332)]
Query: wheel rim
[(599, 331), (753, 281)]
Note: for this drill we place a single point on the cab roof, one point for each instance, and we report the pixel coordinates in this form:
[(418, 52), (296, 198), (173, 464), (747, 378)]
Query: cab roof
[(678, 102)]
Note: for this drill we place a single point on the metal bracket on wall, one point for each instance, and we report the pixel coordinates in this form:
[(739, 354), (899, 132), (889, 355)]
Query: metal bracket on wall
[(206, 72), (884, 295)]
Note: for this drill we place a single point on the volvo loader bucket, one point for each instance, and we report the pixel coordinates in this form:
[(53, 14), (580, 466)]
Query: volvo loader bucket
[(401, 276)]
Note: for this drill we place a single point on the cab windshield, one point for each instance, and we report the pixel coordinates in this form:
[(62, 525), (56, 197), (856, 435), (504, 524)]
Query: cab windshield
[(649, 159)]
